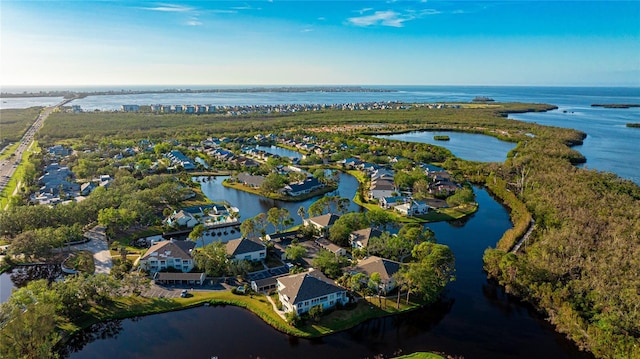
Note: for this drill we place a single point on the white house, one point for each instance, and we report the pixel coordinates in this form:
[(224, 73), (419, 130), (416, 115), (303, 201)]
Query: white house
[(300, 292), (168, 254), (182, 218), (246, 249), (412, 208), (381, 188)]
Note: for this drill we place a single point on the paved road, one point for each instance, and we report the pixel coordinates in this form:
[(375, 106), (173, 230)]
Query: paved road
[(8, 166), (101, 254)]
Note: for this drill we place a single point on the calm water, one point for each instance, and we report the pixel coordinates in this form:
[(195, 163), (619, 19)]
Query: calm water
[(468, 146), (282, 152), (610, 146), (250, 205), (475, 319), (26, 102)]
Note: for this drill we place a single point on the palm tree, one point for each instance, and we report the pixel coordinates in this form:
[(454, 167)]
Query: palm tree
[(302, 213), (197, 232)]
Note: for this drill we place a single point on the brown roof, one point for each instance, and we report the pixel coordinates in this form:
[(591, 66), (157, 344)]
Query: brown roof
[(385, 267), (364, 235), (325, 220), (161, 276), (169, 249), (306, 286)]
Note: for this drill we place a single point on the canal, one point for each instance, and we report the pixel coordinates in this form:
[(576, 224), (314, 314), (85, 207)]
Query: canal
[(474, 319)]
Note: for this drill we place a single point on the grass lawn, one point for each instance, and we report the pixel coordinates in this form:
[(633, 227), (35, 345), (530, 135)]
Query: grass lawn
[(343, 319), (9, 151), (18, 175)]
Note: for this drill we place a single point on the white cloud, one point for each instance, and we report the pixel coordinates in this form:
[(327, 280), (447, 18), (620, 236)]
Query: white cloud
[(384, 18), (194, 22), (169, 8), (306, 30)]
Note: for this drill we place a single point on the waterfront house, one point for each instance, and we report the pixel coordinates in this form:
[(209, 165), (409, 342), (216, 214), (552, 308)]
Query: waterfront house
[(390, 202), (322, 223), (304, 187), (182, 218), (360, 238), (250, 180), (382, 188), (412, 208), (385, 267), (168, 254), (250, 249), (299, 293)]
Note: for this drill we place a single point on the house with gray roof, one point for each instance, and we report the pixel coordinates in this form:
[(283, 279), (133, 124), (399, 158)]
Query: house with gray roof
[(250, 249), (299, 293)]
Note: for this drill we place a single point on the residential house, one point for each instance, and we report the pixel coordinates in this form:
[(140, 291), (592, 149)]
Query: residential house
[(382, 188), (304, 187), (87, 188), (390, 202), (360, 238), (385, 267), (178, 158), (412, 208), (182, 218), (322, 223), (58, 150), (168, 254), (331, 247), (250, 180), (299, 293), (250, 249)]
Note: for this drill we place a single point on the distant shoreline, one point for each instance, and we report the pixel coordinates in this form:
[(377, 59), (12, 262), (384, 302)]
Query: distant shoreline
[(291, 89), (616, 105)]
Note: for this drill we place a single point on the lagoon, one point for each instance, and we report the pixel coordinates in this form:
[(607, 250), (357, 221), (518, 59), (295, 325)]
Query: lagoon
[(250, 205), (474, 319), (468, 146)]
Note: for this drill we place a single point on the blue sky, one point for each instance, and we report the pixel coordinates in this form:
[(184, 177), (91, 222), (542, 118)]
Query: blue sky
[(557, 43)]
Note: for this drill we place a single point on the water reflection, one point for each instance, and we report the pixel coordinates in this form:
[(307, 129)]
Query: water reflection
[(474, 319)]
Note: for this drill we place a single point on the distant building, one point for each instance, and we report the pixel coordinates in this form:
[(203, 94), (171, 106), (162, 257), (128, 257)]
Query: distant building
[(76, 108), (129, 108)]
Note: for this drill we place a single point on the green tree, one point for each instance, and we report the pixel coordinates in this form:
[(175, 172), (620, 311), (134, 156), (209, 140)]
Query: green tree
[(295, 252), (212, 259), (329, 263), (272, 183), (197, 233)]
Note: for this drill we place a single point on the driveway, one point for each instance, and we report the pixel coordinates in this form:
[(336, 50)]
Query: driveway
[(101, 254)]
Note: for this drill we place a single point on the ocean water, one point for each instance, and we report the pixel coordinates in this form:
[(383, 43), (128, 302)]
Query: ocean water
[(610, 145)]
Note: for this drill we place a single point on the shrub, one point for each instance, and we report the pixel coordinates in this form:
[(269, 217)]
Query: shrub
[(316, 312), (293, 319)]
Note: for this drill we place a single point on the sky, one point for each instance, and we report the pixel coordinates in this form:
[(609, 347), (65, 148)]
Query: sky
[(544, 43)]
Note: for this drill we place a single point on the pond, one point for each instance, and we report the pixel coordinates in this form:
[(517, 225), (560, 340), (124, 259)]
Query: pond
[(250, 205), (20, 276), (468, 146), (474, 319), (282, 152)]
